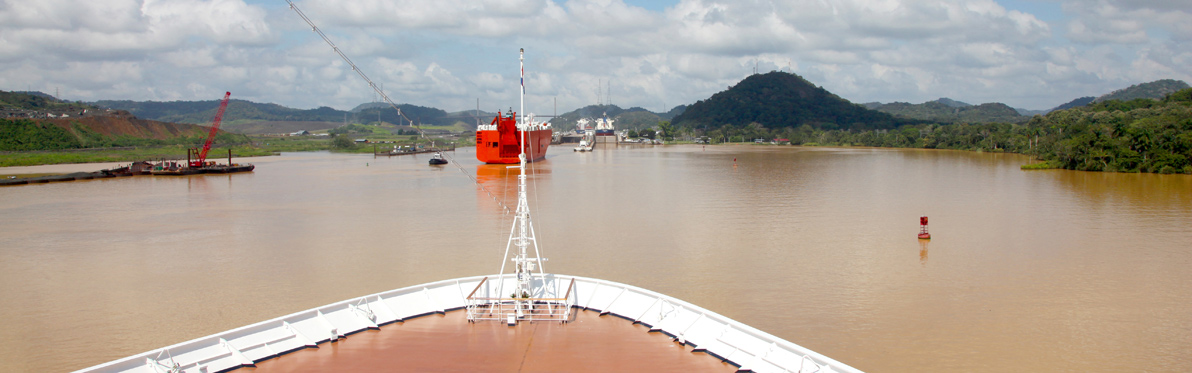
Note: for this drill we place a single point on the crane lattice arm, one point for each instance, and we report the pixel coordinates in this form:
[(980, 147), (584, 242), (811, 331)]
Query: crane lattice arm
[(223, 105)]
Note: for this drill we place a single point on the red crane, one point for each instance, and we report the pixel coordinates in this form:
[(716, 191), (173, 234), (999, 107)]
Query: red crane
[(200, 158)]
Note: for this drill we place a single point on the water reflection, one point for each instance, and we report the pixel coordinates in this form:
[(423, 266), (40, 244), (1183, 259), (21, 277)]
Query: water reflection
[(1049, 271), (196, 183), (496, 188), (923, 251)]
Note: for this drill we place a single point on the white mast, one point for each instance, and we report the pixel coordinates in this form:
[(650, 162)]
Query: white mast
[(521, 61), (522, 233)]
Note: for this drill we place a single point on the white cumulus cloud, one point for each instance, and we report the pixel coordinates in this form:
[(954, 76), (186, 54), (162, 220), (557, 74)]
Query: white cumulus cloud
[(449, 53)]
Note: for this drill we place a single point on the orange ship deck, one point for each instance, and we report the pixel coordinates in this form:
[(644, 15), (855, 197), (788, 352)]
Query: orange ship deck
[(449, 343)]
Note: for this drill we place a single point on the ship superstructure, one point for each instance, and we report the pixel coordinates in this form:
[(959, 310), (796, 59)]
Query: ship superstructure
[(502, 140), (604, 126), (583, 126)]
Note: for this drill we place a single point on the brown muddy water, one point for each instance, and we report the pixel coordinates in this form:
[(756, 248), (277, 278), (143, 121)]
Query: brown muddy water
[(1027, 270)]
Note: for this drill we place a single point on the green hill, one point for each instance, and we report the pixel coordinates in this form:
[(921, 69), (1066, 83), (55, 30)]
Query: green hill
[(1074, 103), (1155, 90), (637, 120), (37, 101), (954, 112), (952, 103), (673, 112), (1139, 135), (781, 100)]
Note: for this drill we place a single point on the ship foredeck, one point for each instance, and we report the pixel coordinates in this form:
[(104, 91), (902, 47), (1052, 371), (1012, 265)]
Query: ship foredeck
[(425, 327), (448, 342)]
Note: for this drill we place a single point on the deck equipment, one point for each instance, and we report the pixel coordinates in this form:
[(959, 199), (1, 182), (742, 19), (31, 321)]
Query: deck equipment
[(199, 158)]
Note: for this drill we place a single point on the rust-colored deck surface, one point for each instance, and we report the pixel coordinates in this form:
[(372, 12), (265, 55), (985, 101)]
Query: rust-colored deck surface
[(450, 343)]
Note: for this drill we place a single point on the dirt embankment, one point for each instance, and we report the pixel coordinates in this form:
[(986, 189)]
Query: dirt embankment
[(117, 125)]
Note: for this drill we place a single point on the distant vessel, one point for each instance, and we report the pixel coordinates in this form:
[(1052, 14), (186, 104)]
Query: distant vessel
[(604, 126), (583, 125), (501, 141), (437, 159), (586, 143)]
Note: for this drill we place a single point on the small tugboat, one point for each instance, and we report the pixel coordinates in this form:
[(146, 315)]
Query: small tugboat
[(437, 159), (585, 144)]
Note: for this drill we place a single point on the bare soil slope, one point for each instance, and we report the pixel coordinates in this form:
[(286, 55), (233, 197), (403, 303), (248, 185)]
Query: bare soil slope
[(118, 125)]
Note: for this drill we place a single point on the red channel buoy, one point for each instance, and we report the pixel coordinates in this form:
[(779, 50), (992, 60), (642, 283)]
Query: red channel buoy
[(923, 235)]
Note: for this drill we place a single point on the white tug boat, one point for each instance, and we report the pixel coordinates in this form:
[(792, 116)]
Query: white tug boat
[(586, 143), (527, 297)]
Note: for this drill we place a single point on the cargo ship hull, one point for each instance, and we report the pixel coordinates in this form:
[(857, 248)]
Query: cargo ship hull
[(501, 141)]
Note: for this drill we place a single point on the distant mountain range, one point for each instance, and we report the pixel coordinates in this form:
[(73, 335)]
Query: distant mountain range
[(241, 115), (254, 118), (774, 99), (952, 111), (1155, 90), (780, 99), (946, 110), (1074, 103)]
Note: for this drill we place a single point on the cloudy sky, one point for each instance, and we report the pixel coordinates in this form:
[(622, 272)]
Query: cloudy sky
[(1032, 54)]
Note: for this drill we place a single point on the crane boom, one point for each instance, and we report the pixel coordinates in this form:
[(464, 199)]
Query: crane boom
[(223, 105)]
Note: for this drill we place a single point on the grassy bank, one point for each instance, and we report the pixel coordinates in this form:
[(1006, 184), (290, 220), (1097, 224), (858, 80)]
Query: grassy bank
[(118, 155), (1044, 165), (261, 146)]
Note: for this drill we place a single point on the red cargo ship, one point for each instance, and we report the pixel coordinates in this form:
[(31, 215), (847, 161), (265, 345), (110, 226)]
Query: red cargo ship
[(501, 140)]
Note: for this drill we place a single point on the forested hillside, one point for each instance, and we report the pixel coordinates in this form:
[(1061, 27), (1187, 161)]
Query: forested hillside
[(1140, 135), (25, 103), (781, 100), (1082, 101), (953, 112), (1153, 90)]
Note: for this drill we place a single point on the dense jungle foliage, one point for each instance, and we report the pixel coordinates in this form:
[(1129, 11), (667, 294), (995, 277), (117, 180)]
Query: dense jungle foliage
[(1140, 135)]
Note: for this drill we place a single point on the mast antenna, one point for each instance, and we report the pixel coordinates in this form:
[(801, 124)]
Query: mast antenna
[(521, 234)]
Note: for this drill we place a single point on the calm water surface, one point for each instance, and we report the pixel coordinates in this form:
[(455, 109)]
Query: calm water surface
[(1039, 270)]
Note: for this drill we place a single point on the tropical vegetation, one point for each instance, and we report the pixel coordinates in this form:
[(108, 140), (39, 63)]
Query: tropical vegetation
[(1140, 135)]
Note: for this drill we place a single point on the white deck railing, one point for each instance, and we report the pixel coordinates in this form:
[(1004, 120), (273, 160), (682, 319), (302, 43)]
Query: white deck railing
[(707, 331), (549, 305)]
